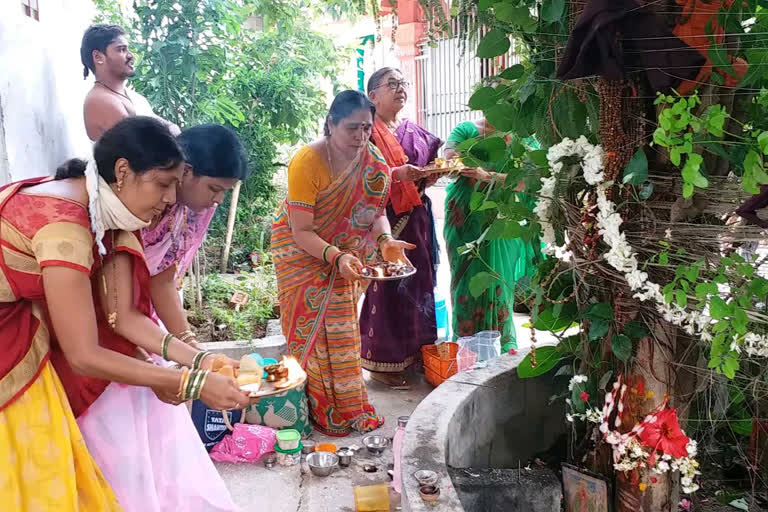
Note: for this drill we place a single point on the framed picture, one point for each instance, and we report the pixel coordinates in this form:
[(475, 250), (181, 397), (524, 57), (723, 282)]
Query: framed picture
[(584, 491)]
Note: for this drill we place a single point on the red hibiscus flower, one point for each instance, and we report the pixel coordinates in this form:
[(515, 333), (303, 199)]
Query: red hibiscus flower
[(584, 396), (665, 434)]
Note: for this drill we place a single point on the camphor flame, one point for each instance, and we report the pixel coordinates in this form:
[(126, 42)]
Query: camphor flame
[(295, 371)]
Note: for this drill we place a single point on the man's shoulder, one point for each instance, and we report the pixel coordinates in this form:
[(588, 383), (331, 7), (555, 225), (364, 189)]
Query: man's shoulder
[(98, 97)]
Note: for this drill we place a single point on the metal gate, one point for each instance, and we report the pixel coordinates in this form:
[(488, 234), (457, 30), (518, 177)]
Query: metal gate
[(446, 78)]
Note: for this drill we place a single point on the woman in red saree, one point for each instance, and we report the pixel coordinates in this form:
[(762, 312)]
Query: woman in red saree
[(330, 223), (51, 313)]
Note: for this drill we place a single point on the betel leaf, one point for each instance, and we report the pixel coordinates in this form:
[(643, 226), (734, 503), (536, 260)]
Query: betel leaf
[(479, 283), (485, 4), (622, 347), (502, 116), (552, 10), (549, 321), (494, 43), (539, 157), (491, 149), (636, 171), (483, 98), (645, 191), (718, 308), (546, 359), (513, 72)]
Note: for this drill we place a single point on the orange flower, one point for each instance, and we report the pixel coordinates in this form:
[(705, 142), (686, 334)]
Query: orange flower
[(642, 486)]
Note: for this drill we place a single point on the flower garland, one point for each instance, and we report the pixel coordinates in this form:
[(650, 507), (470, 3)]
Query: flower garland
[(657, 444), (620, 254)]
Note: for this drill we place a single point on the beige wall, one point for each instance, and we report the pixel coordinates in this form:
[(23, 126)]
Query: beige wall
[(41, 87)]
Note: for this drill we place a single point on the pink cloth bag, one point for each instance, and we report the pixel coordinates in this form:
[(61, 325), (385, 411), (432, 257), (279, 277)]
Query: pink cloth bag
[(248, 443)]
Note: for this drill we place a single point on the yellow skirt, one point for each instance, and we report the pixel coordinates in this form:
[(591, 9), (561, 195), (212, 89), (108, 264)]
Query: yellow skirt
[(45, 463)]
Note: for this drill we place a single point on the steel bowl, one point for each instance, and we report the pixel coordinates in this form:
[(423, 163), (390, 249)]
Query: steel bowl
[(345, 456), (375, 444), (425, 477), (322, 463)]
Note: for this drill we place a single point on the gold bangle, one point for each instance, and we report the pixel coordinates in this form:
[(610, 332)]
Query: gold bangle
[(190, 384), (186, 336), (383, 235), (184, 373)]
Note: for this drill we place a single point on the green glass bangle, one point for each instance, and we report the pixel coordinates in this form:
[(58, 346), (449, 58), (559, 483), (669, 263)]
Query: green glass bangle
[(166, 340), (325, 251)]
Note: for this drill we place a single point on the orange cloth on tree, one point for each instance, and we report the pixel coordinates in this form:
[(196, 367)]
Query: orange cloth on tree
[(693, 31)]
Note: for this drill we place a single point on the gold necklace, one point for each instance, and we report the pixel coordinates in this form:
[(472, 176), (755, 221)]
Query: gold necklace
[(112, 316)]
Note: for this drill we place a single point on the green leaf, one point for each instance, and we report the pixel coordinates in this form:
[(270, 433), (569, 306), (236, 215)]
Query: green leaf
[(687, 190), (516, 149), (599, 311), (509, 13), (552, 10), (681, 298), (502, 116), (538, 157), (636, 171), (513, 72), (546, 359), (762, 140), (645, 191), (479, 283), (742, 427), (475, 200), (622, 347), (598, 329), (692, 273), (674, 155), (718, 308), (635, 330), (719, 57), (485, 4), (527, 90), (494, 43), (548, 321), (489, 150), (483, 98), (701, 290)]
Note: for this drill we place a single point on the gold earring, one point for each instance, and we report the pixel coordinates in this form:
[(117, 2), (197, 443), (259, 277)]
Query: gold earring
[(119, 185)]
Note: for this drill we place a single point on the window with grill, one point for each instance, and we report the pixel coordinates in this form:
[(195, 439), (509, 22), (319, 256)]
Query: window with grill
[(31, 9)]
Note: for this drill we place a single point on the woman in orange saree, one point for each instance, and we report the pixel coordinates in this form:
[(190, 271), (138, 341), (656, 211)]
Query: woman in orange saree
[(48, 310), (324, 231)]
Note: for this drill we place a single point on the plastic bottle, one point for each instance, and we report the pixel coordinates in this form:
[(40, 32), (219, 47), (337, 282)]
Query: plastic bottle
[(397, 448)]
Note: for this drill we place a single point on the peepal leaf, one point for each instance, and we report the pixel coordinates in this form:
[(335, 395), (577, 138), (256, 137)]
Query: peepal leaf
[(494, 43), (552, 10), (479, 283), (546, 359), (513, 72)]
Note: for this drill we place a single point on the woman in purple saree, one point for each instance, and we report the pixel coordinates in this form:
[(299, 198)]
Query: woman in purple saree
[(398, 317)]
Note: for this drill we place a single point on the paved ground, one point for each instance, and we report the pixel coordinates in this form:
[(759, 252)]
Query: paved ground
[(255, 488)]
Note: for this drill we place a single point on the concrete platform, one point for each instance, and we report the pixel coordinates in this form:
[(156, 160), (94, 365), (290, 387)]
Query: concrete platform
[(255, 488)]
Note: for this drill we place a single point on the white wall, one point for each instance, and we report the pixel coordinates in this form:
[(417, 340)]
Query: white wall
[(41, 87)]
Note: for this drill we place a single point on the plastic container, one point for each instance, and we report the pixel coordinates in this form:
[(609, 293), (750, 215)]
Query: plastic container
[(485, 344), (437, 368), (326, 447), (288, 439), (397, 447), (288, 458), (441, 318), (371, 498)]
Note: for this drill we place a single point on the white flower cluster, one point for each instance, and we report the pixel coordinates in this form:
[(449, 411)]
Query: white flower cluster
[(687, 466), (592, 165), (591, 415), (577, 379), (754, 345), (630, 456)]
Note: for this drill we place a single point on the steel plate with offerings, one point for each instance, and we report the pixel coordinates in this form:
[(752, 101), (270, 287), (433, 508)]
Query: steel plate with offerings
[(451, 167), (387, 271), (280, 377)]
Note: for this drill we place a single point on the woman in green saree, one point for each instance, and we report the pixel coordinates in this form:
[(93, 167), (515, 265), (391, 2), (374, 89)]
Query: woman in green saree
[(513, 259)]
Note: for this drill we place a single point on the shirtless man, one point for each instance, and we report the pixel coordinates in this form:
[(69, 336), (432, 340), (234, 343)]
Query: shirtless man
[(104, 52)]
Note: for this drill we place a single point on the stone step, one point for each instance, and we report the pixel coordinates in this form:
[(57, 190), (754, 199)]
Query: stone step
[(272, 345)]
